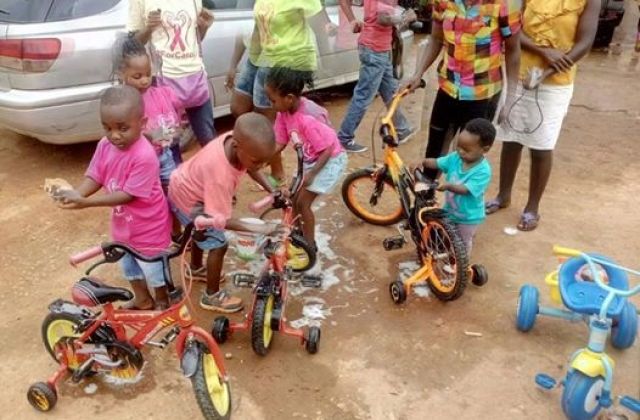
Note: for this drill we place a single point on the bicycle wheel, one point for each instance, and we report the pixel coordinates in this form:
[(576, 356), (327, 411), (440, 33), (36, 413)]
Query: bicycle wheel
[(301, 256), (211, 390), (261, 332), (581, 396), (447, 255), (57, 326), (375, 201)]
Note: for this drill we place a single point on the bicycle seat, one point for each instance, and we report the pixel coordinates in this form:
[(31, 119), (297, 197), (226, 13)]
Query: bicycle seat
[(586, 297), (91, 292)]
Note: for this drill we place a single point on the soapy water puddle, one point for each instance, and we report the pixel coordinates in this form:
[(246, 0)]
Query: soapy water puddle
[(333, 269)]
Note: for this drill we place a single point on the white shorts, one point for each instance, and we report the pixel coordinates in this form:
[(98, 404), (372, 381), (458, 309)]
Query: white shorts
[(533, 127)]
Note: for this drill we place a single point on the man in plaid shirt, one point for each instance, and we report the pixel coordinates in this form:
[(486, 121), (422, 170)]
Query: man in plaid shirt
[(474, 35)]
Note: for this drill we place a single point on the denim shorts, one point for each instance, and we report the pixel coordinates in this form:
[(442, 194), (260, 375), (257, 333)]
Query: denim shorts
[(134, 269), (167, 166), (326, 180), (213, 238), (251, 83)]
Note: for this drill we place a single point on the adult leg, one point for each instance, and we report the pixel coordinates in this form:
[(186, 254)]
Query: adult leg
[(541, 163), (509, 162), (262, 105), (240, 104), (371, 71), (201, 120), (388, 88), (441, 118)]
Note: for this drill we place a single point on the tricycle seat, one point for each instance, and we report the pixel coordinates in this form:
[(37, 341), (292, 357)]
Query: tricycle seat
[(585, 296)]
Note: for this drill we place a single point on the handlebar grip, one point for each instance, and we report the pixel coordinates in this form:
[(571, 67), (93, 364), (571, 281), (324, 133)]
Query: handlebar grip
[(566, 252), (262, 204), (295, 138), (83, 256)]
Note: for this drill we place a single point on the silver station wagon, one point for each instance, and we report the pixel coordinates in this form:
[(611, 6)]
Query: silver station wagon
[(55, 60)]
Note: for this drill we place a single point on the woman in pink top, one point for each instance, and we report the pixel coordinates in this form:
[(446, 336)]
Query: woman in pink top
[(325, 159), (125, 165)]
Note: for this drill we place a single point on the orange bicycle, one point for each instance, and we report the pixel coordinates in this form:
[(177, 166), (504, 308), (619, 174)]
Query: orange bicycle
[(389, 194)]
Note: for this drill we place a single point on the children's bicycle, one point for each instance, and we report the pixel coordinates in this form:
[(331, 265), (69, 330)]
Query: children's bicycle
[(90, 336), (388, 194), (267, 313), (603, 303)]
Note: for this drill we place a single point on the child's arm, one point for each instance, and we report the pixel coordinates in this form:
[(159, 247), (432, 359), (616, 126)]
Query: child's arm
[(73, 200), (262, 180), (238, 225), (428, 163), (238, 52), (320, 162), (454, 188)]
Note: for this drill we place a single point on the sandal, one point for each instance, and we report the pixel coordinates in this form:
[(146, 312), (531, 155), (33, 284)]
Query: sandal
[(528, 221), (495, 205)]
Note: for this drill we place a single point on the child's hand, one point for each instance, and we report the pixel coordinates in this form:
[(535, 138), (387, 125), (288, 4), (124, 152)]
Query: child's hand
[(154, 19), (70, 200), (283, 192), (230, 80), (445, 186), (416, 165), (205, 19)]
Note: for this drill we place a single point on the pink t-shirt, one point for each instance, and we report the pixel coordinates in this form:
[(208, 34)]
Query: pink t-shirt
[(162, 109), (374, 35), (143, 223), (311, 122), (207, 178)]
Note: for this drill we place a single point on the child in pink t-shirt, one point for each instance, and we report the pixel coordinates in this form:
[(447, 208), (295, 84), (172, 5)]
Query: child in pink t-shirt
[(206, 184), (162, 109), (324, 158), (126, 166)]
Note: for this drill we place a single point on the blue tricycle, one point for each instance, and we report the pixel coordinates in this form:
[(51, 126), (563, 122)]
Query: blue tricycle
[(595, 289)]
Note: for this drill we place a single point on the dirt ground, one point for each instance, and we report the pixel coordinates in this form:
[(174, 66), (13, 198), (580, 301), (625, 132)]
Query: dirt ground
[(376, 360)]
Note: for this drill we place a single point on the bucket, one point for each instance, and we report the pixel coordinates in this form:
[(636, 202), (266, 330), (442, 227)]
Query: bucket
[(247, 243)]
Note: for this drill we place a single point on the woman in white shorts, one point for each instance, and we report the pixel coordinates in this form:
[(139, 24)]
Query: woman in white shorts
[(556, 34)]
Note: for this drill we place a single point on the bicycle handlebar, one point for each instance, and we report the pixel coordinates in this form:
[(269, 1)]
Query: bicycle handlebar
[(565, 252), (262, 204), (85, 255)]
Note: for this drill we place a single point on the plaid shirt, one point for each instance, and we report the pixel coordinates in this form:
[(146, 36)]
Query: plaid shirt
[(473, 37)]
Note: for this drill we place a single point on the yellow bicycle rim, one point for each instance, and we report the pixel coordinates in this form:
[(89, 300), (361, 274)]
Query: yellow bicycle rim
[(267, 332), (218, 389)]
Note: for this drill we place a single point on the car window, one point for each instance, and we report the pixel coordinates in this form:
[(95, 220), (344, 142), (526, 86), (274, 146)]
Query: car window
[(228, 4), (24, 11), (74, 9)]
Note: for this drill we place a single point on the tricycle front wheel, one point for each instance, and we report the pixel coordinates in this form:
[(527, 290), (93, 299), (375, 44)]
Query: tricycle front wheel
[(581, 396)]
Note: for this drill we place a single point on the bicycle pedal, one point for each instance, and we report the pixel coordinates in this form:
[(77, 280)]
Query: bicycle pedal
[(311, 280), (393, 242), (244, 280), (630, 403), (545, 381)]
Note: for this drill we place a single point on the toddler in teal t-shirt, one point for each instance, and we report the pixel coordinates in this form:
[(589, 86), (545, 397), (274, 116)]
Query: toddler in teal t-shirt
[(467, 176)]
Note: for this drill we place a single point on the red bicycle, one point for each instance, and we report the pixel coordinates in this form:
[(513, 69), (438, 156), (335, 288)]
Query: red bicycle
[(90, 336), (267, 313)]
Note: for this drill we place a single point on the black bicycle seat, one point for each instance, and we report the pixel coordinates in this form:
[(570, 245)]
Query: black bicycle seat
[(91, 292)]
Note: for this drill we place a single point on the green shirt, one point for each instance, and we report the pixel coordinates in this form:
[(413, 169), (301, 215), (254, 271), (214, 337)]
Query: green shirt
[(286, 39)]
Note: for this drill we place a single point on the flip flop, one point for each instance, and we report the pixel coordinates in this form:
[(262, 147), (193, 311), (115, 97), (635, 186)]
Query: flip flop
[(528, 221), (495, 205)]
